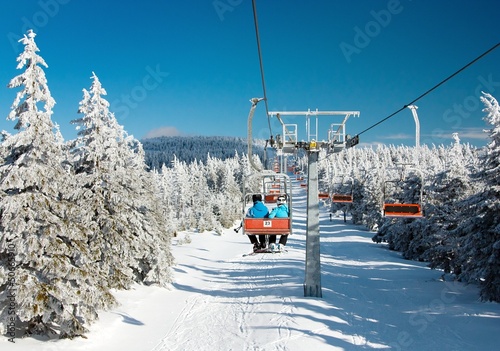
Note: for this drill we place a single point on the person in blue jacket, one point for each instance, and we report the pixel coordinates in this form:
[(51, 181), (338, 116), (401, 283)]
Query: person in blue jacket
[(258, 210), (280, 211)]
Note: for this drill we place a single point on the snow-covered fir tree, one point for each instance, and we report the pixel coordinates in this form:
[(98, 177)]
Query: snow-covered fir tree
[(445, 195), (222, 184), (120, 196), (45, 260), (480, 229)]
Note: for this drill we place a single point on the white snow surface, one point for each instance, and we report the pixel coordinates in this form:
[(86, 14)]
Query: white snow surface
[(221, 300)]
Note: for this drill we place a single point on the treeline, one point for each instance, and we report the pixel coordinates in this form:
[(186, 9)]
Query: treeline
[(163, 150)]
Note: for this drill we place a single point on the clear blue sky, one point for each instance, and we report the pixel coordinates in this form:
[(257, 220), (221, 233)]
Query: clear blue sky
[(190, 66)]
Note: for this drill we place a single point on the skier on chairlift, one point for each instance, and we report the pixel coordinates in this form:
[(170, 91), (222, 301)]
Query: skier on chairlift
[(280, 211), (258, 210)]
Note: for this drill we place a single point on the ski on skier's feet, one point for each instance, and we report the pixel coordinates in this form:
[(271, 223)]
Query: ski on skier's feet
[(263, 251)]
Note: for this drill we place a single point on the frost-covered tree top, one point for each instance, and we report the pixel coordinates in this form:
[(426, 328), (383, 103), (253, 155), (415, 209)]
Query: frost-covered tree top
[(94, 108), (492, 158), (99, 134), (25, 107)]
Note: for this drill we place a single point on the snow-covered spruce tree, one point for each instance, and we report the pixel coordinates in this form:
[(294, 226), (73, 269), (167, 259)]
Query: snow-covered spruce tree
[(480, 239), (154, 258), (179, 189), (45, 262), (165, 191), (224, 188), (200, 199), (119, 196), (445, 205), (367, 188), (180, 197)]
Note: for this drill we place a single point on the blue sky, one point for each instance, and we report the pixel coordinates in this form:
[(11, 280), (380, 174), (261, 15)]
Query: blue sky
[(189, 67)]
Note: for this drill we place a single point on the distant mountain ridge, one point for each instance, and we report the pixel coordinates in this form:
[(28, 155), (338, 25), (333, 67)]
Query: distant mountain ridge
[(161, 150)]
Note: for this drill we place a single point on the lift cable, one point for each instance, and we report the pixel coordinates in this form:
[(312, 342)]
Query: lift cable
[(431, 89), (260, 62)]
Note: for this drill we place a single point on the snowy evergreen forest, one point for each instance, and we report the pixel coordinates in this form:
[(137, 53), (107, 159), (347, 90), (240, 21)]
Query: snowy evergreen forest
[(163, 150), (83, 217)]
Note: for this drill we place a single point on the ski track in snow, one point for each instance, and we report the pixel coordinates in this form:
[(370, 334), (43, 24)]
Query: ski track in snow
[(218, 319), (228, 320)]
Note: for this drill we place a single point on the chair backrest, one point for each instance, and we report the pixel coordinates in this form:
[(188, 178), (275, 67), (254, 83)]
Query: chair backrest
[(267, 225), (402, 210)]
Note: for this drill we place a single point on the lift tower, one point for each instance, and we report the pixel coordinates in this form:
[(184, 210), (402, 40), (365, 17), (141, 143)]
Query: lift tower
[(336, 142)]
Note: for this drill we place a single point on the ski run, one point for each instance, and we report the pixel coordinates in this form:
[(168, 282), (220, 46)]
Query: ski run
[(220, 300)]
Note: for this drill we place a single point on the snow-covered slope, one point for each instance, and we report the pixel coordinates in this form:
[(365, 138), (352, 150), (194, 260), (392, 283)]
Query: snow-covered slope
[(372, 299)]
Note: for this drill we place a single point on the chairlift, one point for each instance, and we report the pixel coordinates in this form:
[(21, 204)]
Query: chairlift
[(268, 226), (343, 196), (323, 195), (273, 186), (403, 210)]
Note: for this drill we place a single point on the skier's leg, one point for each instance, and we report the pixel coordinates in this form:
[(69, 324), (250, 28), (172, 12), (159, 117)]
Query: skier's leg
[(262, 239), (283, 239), (255, 242)]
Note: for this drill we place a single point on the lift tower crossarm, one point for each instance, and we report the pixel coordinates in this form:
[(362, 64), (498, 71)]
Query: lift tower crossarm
[(314, 113), (336, 135)]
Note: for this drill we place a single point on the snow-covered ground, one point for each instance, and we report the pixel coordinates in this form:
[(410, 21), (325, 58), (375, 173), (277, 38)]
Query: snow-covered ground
[(372, 299)]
